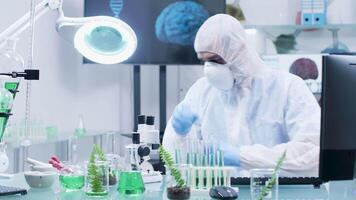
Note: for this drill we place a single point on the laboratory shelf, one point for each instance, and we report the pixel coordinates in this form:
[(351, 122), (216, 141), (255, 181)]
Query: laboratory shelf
[(293, 27), (60, 137)]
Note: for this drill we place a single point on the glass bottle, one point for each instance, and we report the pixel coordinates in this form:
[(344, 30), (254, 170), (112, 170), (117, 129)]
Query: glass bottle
[(130, 181), (80, 131)]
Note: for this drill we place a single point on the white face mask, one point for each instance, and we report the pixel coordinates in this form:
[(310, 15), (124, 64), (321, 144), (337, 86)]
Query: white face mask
[(219, 76)]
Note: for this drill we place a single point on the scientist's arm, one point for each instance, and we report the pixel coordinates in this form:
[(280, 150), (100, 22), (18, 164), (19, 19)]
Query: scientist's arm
[(187, 111), (302, 121)]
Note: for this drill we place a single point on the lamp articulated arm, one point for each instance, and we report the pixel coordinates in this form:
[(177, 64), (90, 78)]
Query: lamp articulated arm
[(103, 28), (23, 23)]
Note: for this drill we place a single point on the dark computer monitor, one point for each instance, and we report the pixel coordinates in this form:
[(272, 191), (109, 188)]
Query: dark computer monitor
[(338, 121)]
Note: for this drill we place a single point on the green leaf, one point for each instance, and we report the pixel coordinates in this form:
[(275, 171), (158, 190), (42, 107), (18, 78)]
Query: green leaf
[(168, 160), (94, 175), (270, 184)]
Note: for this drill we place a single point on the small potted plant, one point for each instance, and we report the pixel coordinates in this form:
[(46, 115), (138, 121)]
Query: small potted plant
[(179, 189), (97, 174)]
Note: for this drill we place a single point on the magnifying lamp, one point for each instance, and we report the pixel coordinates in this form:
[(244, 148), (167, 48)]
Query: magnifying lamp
[(101, 39)]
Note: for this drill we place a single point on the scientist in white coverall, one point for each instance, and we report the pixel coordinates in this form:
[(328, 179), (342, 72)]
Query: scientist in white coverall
[(256, 113)]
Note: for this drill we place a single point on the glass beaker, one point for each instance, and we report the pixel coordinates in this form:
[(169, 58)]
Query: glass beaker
[(264, 184), (173, 179), (72, 180), (97, 179), (114, 167)]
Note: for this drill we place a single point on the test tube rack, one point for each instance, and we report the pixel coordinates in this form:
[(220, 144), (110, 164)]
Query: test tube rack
[(203, 178)]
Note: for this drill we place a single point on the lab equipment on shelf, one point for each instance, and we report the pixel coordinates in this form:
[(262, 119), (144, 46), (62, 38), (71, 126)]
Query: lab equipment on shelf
[(80, 131), (314, 12)]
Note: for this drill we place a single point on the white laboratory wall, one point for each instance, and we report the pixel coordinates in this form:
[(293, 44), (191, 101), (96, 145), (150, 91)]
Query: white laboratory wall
[(67, 88)]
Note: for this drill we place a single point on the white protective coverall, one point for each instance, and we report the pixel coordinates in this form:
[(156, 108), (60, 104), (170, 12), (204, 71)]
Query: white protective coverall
[(266, 113)]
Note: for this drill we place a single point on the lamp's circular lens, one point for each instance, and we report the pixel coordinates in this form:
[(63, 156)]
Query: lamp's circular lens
[(105, 39)]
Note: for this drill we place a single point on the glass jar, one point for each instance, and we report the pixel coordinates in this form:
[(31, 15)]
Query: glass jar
[(97, 179), (72, 179), (114, 167), (264, 184)]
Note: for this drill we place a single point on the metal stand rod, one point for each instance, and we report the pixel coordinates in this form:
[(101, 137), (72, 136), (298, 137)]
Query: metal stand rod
[(62, 149), (17, 160), (162, 99), (136, 94), (162, 96)]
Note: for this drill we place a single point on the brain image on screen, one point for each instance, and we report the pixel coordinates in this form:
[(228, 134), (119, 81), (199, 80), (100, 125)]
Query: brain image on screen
[(305, 68), (179, 22)]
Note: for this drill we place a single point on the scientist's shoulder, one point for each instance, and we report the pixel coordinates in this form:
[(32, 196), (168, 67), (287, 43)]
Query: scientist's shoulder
[(274, 75), (202, 83), (201, 86)]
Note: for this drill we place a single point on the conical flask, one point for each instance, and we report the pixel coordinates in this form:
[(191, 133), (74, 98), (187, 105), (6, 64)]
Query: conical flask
[(6, 100), (80, 131), (130, 181), (10, 61)]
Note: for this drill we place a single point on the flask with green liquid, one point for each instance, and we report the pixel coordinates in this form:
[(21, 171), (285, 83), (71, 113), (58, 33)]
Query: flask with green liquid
[(130, 181)]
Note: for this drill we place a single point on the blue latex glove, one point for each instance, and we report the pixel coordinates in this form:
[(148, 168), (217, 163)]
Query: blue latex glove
[(231, 155), (183, 119)]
